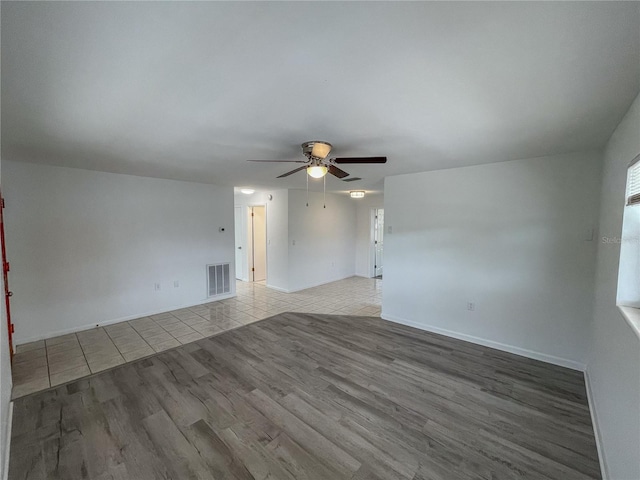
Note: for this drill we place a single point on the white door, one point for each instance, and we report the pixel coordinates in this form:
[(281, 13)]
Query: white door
[(378, 240), (240, 246)]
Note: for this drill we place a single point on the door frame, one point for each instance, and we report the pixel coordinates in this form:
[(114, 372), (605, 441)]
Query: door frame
[(241, 273), (372, 240), (249, 240)]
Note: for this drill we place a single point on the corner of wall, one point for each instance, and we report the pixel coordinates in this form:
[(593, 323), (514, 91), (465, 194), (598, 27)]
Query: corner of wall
[(321, 241), (278, 240), (596, 425), (613, 374)]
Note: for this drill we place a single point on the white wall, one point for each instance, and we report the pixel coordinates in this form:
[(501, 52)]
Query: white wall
[(278, 240), (614, 357), (364, 252), (509, 237), (87, 247), (324, 249)]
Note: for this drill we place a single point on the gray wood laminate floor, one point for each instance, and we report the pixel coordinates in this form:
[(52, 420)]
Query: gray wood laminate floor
[(303, 396)]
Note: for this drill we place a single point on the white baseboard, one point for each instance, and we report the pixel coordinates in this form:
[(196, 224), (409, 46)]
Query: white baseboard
[(563, 362), (278, 289), (596, 427), (81, 328), (312, 285), (5, 460)]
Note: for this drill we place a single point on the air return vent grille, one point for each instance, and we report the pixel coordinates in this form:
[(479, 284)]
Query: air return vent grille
[(218, 279), (352, 179)]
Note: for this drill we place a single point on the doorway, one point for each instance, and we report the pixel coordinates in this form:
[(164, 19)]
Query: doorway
[(257, 237), (378, 241)]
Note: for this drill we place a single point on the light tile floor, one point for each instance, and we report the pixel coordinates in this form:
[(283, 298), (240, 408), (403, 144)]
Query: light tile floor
[(48, 363)]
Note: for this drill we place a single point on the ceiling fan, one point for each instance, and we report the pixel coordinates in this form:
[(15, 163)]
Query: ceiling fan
[(317, 164)]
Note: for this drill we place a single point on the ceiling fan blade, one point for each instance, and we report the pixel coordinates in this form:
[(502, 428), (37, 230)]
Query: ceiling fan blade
[(336, 172), (287, 161), (361, 160), (291, 172)]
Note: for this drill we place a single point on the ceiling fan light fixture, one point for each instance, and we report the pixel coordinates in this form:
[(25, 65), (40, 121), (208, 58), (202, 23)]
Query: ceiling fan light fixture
[(320, 150), (317, 171), (247, 191), (357, 193)]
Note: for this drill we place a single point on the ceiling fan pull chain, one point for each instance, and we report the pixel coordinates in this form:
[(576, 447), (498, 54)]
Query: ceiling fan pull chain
[(307, 176), (324, 191)]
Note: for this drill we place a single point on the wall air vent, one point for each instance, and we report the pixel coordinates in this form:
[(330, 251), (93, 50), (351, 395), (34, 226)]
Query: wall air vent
[(218, 279), (353, 179)]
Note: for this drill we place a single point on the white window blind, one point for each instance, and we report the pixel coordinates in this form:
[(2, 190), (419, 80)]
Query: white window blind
[(633, 184)]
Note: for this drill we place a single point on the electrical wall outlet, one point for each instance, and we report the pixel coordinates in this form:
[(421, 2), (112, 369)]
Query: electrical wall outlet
[(176, 284), (471, 306), (156, 286)]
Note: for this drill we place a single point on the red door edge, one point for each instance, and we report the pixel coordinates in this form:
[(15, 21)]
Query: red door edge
[(5, 273)]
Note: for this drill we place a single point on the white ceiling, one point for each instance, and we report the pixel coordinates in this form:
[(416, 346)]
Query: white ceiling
[(192, 90)]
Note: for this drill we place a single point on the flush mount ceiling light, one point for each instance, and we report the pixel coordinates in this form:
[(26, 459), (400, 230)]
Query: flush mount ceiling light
[(317, 171), (356, 193), (316, 151), (247, 191)]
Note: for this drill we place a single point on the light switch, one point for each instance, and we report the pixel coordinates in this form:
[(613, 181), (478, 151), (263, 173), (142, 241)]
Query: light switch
[(589, 235)]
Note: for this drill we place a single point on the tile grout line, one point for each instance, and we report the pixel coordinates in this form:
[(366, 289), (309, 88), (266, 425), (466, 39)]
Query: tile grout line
[(46, 356), (83, 355), (137, 333)]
